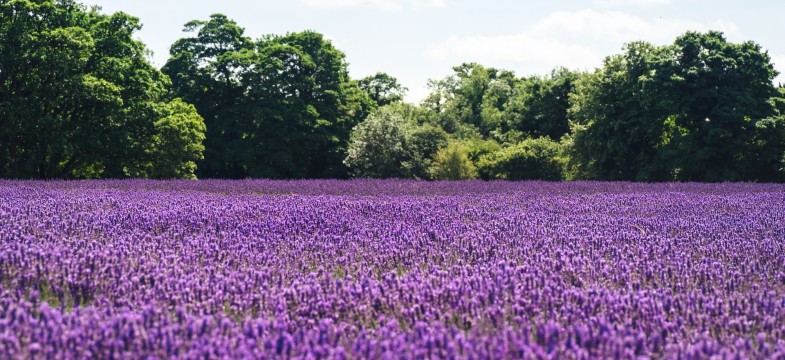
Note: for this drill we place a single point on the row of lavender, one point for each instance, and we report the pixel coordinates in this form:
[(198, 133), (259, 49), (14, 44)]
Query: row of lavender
[(390, 269)]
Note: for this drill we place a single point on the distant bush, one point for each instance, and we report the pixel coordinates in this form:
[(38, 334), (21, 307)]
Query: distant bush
[(477, 148), (422, 143), (378, 146), (388, 145), (452, 163), (531, 159)]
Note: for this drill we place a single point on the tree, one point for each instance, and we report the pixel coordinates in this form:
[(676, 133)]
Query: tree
[(478, 148), (452, 163), (338, 101), (78, 98), (531, 159), (720, 93), (177, 143), (383, 89), (540, 105), (423, 142), (768, 143), (279, 107), (619, 114), (378, 146), (698, 110), (389, 145), (474, 96)]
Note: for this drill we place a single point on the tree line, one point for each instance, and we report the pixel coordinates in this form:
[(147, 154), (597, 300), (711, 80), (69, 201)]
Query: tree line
[(79, 99)]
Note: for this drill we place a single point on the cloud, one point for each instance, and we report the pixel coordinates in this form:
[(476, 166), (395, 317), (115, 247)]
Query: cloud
[(577, 40), (617, 26), (631, 2), (384, 5), (520, 48)]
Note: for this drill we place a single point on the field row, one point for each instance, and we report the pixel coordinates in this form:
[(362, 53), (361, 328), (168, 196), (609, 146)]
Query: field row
[(390, 269)]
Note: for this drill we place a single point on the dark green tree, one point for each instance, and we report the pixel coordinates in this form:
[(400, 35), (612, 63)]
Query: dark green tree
[(619, 118), (540, 105), (383, 89), (720, 93), (279, 107), (768, 144), (423, 142), (205, 72), (698, 110), (78, 98)]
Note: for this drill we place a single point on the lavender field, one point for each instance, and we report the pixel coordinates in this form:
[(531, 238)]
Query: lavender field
[(391, 269)]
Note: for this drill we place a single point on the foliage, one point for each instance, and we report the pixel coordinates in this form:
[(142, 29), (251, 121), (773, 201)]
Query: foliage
[(474, 96), (383, 89), (531, 159), (178, 142), (770, 138), (423, 143), (477, 148), (540, 105), (697, 110), (387, 145), (78, 98), (452, 163), (414, 114), (720, 93), (378, 146), (619, 118), (279, 107)]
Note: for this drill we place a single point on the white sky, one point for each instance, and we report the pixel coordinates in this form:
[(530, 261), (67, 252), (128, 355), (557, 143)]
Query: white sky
[(417, 40)]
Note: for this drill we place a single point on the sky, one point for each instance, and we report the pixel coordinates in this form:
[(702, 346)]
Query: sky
[(417, 40)]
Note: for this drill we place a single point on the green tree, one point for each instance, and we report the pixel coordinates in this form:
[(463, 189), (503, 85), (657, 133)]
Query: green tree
[(619, 115), (389, 145), (698, 110), (78, 98), (423, 142), (531, 159), (478, 148), (279, 107), (378, 146), (177, 143), (474, 96), (720, 93), (383, 89), (442, 94), (540, 105), (414, 114), (452, 163), (768, 143)]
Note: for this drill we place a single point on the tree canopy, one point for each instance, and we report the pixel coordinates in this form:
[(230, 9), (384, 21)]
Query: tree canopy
[(78, 98), (698, 110), (383, 89), (277, 107), (391, 144)]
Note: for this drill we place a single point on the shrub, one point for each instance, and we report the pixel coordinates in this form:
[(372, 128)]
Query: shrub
[(531, 159), (390, 145), (452, 163)]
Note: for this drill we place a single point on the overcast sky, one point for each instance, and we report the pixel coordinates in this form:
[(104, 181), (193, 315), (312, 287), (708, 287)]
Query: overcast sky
[(416, 40)]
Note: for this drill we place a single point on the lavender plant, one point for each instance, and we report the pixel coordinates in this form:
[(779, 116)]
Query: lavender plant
[(391, 269)]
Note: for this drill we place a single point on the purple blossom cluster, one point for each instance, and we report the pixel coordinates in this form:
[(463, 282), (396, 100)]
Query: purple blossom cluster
[(391, 269)]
